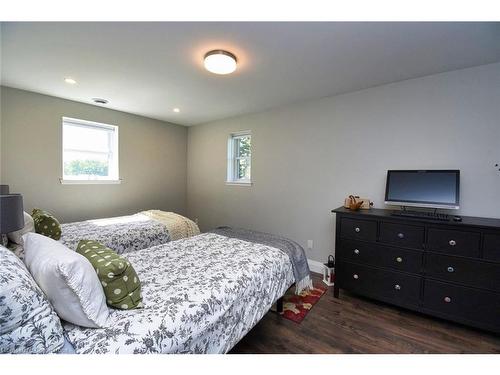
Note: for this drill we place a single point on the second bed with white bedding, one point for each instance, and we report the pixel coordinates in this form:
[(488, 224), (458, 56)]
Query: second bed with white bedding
[(129, 233), (122, 234)]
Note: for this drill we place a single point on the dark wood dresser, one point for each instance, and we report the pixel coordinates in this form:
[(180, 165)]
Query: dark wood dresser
[(446, 269)]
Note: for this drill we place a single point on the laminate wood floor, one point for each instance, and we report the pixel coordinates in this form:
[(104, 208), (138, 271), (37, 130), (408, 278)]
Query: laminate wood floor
[(353, 324)]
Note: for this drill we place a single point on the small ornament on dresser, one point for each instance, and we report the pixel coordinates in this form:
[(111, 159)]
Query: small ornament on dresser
[(329, 271), (354, 203)]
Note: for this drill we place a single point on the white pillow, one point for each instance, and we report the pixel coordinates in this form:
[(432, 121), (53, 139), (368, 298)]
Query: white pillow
[(68, 280), (29, 226)]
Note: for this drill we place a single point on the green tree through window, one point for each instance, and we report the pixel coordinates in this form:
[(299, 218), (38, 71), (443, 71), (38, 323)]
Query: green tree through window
[(86, 167), (244, 153)]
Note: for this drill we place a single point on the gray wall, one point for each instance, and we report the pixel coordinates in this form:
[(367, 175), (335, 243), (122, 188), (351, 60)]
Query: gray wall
[(152, 159), (307, 157), (1, 51)]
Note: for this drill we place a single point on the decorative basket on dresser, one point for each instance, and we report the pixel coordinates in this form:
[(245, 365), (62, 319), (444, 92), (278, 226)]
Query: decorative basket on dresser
[(447, 269)]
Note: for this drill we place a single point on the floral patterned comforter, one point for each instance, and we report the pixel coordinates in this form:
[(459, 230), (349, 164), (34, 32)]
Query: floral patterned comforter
[(28, 322), (122, 234), (201, 294)]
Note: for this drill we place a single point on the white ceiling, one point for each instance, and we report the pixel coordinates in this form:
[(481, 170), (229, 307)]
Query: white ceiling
[(150, 68)]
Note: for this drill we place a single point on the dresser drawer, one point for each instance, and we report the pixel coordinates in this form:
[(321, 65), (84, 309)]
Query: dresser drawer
[(463, 271), (402, 235), (492, 247), (462, 303), (454, 242), (385, 285), (381, 256), (359, 229)]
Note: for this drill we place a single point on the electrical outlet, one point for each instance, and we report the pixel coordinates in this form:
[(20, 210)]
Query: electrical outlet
[(310, 244)]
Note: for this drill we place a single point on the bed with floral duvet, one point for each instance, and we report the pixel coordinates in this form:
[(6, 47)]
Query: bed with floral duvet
[(201, 295), (130, 233)]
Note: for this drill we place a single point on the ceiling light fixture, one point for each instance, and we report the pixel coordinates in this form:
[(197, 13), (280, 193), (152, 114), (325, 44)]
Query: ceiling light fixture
[(176, 110), (220, 62), (99, 101), (69, 80)]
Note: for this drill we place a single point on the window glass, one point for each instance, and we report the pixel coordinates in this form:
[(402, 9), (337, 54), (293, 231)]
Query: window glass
[(90, 150), (239, 158)]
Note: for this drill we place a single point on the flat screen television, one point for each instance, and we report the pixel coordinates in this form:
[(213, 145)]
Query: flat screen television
[(425, 188)]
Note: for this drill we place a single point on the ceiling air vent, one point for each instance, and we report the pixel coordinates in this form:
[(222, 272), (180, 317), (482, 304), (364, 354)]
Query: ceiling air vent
[(99, 101)]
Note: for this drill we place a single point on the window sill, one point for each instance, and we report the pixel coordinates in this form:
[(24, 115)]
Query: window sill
[(239, 183), (90, 182)]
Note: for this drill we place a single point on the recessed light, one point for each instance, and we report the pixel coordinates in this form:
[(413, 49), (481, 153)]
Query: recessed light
[(69, 80), (176, 110), (99, 101), (220, 62)]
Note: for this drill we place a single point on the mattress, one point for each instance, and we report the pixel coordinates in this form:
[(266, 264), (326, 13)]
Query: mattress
[(122, 234), (201, 295)]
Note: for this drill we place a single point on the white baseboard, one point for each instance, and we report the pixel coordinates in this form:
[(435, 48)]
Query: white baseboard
[(315, 266)]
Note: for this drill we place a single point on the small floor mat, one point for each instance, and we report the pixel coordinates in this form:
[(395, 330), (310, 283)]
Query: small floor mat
[(296, 306)]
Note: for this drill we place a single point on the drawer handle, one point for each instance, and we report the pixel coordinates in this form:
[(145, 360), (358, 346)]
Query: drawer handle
[(355, 276), (401, 235), (452, 242), (447, 299), (356, 251), (357, 229), (399, 259), (450, 269), (397, 287)]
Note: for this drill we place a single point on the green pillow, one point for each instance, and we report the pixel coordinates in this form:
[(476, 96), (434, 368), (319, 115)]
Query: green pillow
[(46, 224), (121, 284)]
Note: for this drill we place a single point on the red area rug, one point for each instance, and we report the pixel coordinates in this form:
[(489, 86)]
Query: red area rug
[(296, 307)]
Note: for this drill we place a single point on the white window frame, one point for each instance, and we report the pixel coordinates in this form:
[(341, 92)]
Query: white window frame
[(113, 155), (232, 158)]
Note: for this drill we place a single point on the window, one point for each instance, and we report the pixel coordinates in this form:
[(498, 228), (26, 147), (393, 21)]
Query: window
[(239, 158), (90, 152)]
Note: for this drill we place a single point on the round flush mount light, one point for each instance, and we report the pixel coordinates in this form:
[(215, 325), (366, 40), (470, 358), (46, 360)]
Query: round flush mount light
[(99, 101), (69, 80), (176, 110), (220, 62)]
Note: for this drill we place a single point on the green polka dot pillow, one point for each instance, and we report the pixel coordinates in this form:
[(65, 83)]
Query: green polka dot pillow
[(118, 278), (46, 224)]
